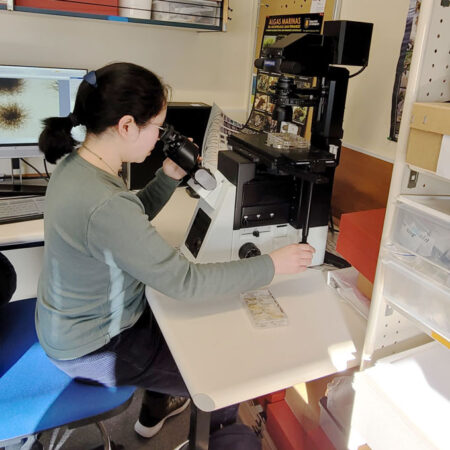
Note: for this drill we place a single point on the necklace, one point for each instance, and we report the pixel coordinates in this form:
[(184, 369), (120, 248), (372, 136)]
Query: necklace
[(100, 158)]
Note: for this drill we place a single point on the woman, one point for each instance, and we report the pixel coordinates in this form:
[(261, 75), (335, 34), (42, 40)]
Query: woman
[(101, 250)]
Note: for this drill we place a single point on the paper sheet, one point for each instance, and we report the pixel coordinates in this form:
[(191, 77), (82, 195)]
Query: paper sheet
[(317, 6), (443, 165)]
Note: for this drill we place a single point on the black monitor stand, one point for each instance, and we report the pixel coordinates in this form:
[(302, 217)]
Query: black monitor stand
[(23, 186), (11, 190)]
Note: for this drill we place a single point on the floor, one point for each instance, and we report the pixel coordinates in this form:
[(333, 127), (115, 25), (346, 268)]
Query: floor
[(121, 431)]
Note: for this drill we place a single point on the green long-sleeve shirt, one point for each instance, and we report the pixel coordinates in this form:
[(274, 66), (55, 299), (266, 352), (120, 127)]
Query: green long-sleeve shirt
[(100, 252)]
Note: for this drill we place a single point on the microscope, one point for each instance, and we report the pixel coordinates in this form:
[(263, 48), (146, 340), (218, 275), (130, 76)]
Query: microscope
[(274, 189)]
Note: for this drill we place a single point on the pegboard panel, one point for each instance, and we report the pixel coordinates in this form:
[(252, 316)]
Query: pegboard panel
[(393, 331), (434, 84)]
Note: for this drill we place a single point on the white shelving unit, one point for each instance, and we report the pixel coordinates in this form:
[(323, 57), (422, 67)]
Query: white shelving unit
[(402, 391), (392, 329)]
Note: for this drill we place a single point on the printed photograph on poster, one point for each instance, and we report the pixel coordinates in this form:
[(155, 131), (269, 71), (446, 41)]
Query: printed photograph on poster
[(257, 121), (261, 102), (262, 84), (276, 28)]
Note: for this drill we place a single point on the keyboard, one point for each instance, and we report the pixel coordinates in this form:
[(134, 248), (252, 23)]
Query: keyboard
[(19, 209)]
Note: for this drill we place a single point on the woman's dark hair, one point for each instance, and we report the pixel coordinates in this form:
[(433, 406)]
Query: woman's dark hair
[(104, 96)]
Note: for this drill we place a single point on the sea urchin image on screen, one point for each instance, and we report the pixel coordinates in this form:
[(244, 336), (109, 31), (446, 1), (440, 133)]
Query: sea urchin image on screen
[(24, 103), (12, 116), (11, 85)]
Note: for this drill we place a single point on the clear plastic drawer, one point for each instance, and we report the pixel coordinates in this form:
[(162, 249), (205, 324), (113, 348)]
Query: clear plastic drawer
[(419, 289), (424, 231)]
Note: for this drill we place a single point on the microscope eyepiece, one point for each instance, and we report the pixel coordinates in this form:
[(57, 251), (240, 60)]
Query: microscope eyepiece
[(186, 154)]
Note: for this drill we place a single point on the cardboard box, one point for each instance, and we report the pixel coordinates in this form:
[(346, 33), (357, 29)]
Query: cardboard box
[(429, 141), (364, 286)]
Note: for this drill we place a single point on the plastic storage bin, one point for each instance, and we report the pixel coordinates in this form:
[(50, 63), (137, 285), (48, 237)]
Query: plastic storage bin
[(331, 427), (425, 231), (137, 9), (423, 295), (202, 12)]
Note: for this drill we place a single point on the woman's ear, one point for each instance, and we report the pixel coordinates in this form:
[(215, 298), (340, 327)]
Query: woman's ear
[(127, 128)]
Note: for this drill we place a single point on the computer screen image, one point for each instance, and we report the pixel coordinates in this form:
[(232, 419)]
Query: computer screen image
[(28, 95)]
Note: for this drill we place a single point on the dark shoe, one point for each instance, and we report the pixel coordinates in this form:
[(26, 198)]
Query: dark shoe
[(155, 411)]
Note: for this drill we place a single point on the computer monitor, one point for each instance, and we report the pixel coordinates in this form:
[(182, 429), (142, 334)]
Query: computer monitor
[(27, 96)]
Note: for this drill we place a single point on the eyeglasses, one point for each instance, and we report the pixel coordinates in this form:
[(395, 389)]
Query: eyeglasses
[(162, 129)]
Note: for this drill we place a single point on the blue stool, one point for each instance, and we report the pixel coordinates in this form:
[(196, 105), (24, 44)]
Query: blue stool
[(35, 395)]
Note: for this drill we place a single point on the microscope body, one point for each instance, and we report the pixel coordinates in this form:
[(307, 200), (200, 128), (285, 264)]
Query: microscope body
[(268, 197), (212, 238), (257, 207)]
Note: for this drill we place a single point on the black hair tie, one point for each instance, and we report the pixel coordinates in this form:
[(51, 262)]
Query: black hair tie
[(73, 119)]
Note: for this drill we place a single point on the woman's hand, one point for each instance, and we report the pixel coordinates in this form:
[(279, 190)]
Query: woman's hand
[(294, 258), (173, 170)]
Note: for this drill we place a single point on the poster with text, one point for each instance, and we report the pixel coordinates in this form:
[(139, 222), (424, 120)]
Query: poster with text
[(276, 28)]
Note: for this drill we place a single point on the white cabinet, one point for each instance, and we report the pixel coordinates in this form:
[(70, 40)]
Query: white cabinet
[(401, 393), (411, 297)]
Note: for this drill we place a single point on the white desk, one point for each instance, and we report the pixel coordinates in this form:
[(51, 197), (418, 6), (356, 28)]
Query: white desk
[(217, 348), (224, 359), (21, 233)]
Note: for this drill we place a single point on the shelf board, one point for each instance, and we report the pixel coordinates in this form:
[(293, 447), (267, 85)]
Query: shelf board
[(194, 26), (437, 206), (420, 325), (427, 172)]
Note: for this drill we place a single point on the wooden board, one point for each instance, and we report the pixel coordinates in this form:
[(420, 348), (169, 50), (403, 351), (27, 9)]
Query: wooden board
[(361, 182)]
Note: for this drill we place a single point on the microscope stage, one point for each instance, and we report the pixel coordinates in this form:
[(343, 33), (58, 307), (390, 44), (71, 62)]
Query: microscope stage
[(254, 145)]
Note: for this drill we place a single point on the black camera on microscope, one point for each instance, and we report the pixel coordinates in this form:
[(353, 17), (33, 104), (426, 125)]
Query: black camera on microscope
[(186, 154)]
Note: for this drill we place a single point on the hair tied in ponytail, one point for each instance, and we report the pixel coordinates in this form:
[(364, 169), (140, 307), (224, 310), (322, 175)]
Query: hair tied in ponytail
[(91, 78), (73, 119)]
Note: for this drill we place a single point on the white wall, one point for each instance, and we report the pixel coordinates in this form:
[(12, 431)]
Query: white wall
[(199, 66), (368, 107)]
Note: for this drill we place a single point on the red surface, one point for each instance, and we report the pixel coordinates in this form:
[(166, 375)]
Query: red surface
[(320, 439), (284, 428), (271, 398), (287, 433), (102, 7), (359, 239)]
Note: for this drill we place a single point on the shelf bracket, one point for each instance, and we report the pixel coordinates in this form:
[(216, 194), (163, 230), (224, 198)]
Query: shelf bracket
[(413, 177), (388, 311)]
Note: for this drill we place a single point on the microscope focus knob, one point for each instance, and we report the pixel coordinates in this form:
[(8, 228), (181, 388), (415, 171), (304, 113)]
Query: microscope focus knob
[(249, 250)]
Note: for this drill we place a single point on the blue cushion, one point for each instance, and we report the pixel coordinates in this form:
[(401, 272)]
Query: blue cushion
[(34, 394)]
